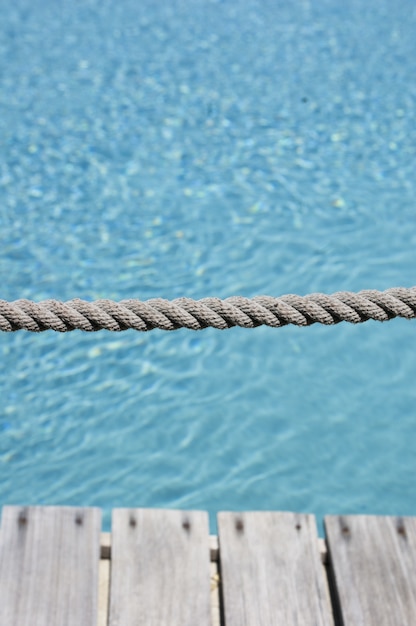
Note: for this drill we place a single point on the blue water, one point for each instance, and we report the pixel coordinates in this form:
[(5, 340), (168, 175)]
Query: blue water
[(205, 148)]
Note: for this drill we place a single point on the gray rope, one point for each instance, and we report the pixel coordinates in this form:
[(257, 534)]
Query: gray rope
[(197, 314)]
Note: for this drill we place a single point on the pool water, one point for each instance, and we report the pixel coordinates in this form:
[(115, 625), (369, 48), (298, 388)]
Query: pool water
[(205, 148)]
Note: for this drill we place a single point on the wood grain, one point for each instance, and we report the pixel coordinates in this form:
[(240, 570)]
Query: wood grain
[(271, 570), (49, 558), (160, 569), (373, 564)]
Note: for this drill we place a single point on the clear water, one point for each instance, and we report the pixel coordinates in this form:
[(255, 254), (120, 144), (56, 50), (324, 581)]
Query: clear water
[(200, 148)]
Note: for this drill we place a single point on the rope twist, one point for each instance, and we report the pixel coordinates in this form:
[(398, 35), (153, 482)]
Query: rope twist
[(208, 312)]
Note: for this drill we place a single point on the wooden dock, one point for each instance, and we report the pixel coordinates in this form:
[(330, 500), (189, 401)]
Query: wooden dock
[(161, 567)]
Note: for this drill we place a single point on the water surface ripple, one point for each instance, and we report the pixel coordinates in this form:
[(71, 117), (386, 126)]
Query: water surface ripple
[(208, 148)]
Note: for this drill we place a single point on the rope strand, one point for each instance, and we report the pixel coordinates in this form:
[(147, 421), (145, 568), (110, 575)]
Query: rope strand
[(208, 312)]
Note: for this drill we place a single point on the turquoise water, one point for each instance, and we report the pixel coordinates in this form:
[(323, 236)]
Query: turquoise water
[(202, 148)]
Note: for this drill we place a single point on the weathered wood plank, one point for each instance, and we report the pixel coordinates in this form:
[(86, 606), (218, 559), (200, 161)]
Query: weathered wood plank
[(213, 546), (373, 565), (49, 559), (103, 591), (160, 568), (215, 595), (271, 570)]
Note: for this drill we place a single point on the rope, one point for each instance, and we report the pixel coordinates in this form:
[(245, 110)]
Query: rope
[(197, 314)]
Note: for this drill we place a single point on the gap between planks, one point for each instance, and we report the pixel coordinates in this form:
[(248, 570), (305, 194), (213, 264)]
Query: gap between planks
[(105, 572)]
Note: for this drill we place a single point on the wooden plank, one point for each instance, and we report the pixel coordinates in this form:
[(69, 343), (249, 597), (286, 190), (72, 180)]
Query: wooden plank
[(271, 570), (49, 558), (372, 561), (213, 546), (215, 595), (103, 591), (160, 569)]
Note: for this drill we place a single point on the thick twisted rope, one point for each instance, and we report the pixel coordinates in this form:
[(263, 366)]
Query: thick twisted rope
[(197, 314)]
